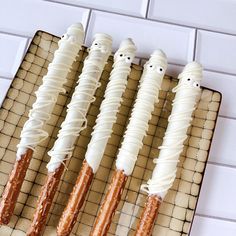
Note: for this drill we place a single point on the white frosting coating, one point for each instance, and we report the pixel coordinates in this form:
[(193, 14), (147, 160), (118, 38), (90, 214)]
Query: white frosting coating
[(46, 96), (148, 92), (111, 103), (82, 97), (187, 93)]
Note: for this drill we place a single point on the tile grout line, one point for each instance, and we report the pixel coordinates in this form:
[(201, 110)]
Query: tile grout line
[(87, 25), (5, 78), (204, 69), (228, 117), (142, 18), (221, 164), (15, 34), (195, 44), (147, 9), (92, 8), (191, 45), (191, 27), (216, 217), (220, 72)]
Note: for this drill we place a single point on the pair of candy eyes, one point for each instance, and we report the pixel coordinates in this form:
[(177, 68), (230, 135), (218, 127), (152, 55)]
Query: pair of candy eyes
[(160, 69), (195, 84), (121, 55)]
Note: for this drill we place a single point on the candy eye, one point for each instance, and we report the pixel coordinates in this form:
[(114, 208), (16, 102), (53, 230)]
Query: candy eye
[(188, 79), (121, 55), (128, 59), (196, 84), (96, 44), (65, 36), (160, 70), (151, 67)]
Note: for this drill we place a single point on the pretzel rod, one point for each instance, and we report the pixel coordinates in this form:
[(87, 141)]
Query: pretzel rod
[(150, 84), (32, 133), (44, 201), (110, 203), (102, 132), (73, 124), (13, 186), (187, 93), (149, 216), (77, 197)]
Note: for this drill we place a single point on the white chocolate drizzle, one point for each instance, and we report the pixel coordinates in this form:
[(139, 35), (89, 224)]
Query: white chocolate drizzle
[(111, 103), (150, 84), (82, 97), (187, 93), (46, 97)]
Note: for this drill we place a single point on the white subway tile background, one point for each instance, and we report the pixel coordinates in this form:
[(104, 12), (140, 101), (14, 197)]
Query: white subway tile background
[(185, 30)]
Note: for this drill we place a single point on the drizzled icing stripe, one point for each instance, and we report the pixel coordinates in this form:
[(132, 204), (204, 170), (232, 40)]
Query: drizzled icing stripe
[(149, 87), (111, 103), (69, 45), (187, 92), (82, 97)]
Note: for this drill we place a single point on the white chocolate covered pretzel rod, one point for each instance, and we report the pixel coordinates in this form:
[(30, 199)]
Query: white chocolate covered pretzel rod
[(46, 97), (187, 92)]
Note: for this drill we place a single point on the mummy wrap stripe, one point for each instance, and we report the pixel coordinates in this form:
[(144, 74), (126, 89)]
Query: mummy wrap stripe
[(46, 97), (82, 98), (187, 93), (150, 84), (111, 103)]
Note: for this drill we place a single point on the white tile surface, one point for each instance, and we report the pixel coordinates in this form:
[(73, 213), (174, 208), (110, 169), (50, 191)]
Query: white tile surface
[(11, 50), (25, 17), (217, 197), (131, 7), (225, 84), (216, 15), (4, 86), (223, 146), (212, 227), (147, 35), (217, 51)]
